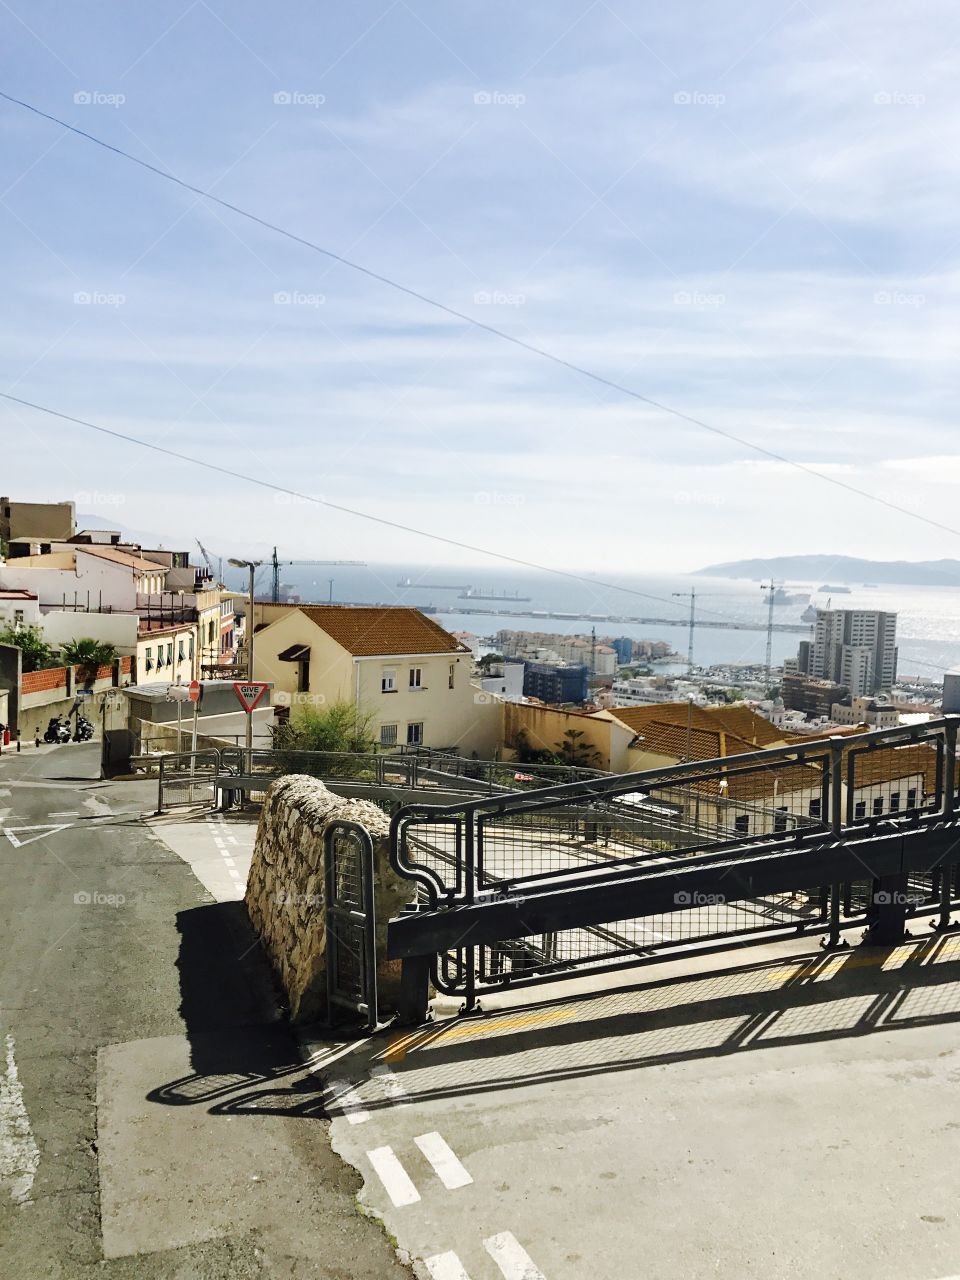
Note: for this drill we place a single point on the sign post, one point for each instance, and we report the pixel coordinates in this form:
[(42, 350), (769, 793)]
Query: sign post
[(249, 693)]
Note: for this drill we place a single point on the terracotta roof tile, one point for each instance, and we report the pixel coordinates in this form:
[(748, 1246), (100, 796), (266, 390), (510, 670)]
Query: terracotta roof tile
[(373, 631)]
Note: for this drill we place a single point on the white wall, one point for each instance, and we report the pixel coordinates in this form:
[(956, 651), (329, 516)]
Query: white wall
[(101, 582), (118, 629), (29, 608)]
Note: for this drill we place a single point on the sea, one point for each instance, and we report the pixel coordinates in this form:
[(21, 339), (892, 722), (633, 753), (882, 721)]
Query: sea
[(644, 606)]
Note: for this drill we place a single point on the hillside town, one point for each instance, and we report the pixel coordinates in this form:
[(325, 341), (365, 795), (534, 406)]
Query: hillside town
[(107, 636)]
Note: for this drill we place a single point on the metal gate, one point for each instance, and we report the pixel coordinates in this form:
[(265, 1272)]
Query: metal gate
[(188, 778), (351, 942)]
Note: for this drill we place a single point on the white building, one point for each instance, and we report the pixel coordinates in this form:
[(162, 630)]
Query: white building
[(856, 648)]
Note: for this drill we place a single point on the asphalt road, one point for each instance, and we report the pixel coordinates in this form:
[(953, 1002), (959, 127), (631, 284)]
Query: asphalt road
[(155, 1116)]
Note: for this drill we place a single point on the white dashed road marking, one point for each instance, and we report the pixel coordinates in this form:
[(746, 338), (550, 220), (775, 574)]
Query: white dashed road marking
[(19, 1153), (446, 1266), (512, 1259), (445, 1164), (394, 1177)]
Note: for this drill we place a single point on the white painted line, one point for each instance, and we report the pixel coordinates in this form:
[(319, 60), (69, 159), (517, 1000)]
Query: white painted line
[(445, 1164), (513, 1260), (13, 834), (394, 1177), (446, 1266), (19, 1153), (348, 1100), (390, 1086), (67, 813)]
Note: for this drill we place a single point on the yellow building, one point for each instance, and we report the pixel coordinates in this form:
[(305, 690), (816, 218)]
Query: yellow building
[(410, 675)]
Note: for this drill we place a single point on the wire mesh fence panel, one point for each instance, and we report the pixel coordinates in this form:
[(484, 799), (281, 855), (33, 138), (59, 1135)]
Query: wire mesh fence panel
[(188, 778), (893, 782)]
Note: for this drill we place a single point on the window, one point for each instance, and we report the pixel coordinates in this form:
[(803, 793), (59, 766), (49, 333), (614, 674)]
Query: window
[(780, 819), (912, 798), (388, 680), (814, 810), (451, 675), (191, 646), (388, 735), (741, 824), (415, 734), (894, 801), (877, 805), (416, 677), (180, 651), (18, 617), (860, 810), (170, 654), (148, 659), (210, 626)]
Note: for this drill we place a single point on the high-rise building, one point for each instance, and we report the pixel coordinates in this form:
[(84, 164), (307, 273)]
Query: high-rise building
[(855, 648)]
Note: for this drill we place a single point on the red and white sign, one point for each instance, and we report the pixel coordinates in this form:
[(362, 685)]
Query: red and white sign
[(523, 777), (249, 693), (196, 691)]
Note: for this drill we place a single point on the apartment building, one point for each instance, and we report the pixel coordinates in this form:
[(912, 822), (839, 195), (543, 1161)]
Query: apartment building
[(854, 648), (55, 520)]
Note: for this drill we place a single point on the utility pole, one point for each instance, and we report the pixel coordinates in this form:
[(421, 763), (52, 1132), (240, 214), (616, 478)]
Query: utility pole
[(252, 565), (693, 623)]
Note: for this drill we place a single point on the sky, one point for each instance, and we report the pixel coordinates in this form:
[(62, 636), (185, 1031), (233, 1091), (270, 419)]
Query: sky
[(746, 212)]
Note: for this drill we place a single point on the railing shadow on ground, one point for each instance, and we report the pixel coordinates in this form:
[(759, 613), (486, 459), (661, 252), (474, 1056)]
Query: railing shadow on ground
[(240, 1043), (246, 1060), (794, 1000)]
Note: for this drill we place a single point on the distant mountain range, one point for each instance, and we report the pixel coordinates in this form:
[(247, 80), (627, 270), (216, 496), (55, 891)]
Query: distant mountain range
[(846, 569)]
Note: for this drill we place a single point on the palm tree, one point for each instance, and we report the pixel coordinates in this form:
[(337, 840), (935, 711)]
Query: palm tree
[(87, 653)]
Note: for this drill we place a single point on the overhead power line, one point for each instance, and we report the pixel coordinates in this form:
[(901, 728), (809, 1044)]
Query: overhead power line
[(336, 506), (504, 335)]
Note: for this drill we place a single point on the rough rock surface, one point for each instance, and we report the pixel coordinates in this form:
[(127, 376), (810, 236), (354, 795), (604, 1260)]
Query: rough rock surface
[(285, 889)]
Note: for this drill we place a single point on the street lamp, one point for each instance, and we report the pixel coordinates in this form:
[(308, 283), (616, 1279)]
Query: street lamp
[(252, 565)]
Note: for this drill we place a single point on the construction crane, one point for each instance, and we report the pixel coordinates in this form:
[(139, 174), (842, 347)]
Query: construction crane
[(207, 560), (773, 588), (275, 563), (692, 596)]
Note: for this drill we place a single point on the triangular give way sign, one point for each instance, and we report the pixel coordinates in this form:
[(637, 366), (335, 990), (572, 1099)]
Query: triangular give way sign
[(249, 692)]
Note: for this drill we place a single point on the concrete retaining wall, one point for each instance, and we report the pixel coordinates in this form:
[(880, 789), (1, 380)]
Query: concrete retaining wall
[(285, 890)]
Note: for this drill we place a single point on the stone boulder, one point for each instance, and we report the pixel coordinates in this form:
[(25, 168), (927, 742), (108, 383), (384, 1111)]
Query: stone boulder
[(285, 889)]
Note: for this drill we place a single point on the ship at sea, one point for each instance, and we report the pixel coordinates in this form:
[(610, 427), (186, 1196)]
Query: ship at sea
[(835, 591), (502, 597)]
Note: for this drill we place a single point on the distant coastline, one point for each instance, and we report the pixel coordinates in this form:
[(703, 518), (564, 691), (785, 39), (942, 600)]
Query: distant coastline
[(846, 569)]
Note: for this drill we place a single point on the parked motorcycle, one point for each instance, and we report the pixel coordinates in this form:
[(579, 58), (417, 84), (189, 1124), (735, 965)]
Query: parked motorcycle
[(57, 730), (84, 730)]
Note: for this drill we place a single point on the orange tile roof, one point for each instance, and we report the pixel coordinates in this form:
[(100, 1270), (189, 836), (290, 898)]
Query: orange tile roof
[(375, 631)]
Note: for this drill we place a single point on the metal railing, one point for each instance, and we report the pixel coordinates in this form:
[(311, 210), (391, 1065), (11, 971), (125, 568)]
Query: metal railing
[(526, 859), (404, 772)]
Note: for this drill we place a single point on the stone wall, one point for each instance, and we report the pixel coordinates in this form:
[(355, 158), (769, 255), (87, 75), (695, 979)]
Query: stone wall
[(285, 889)]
